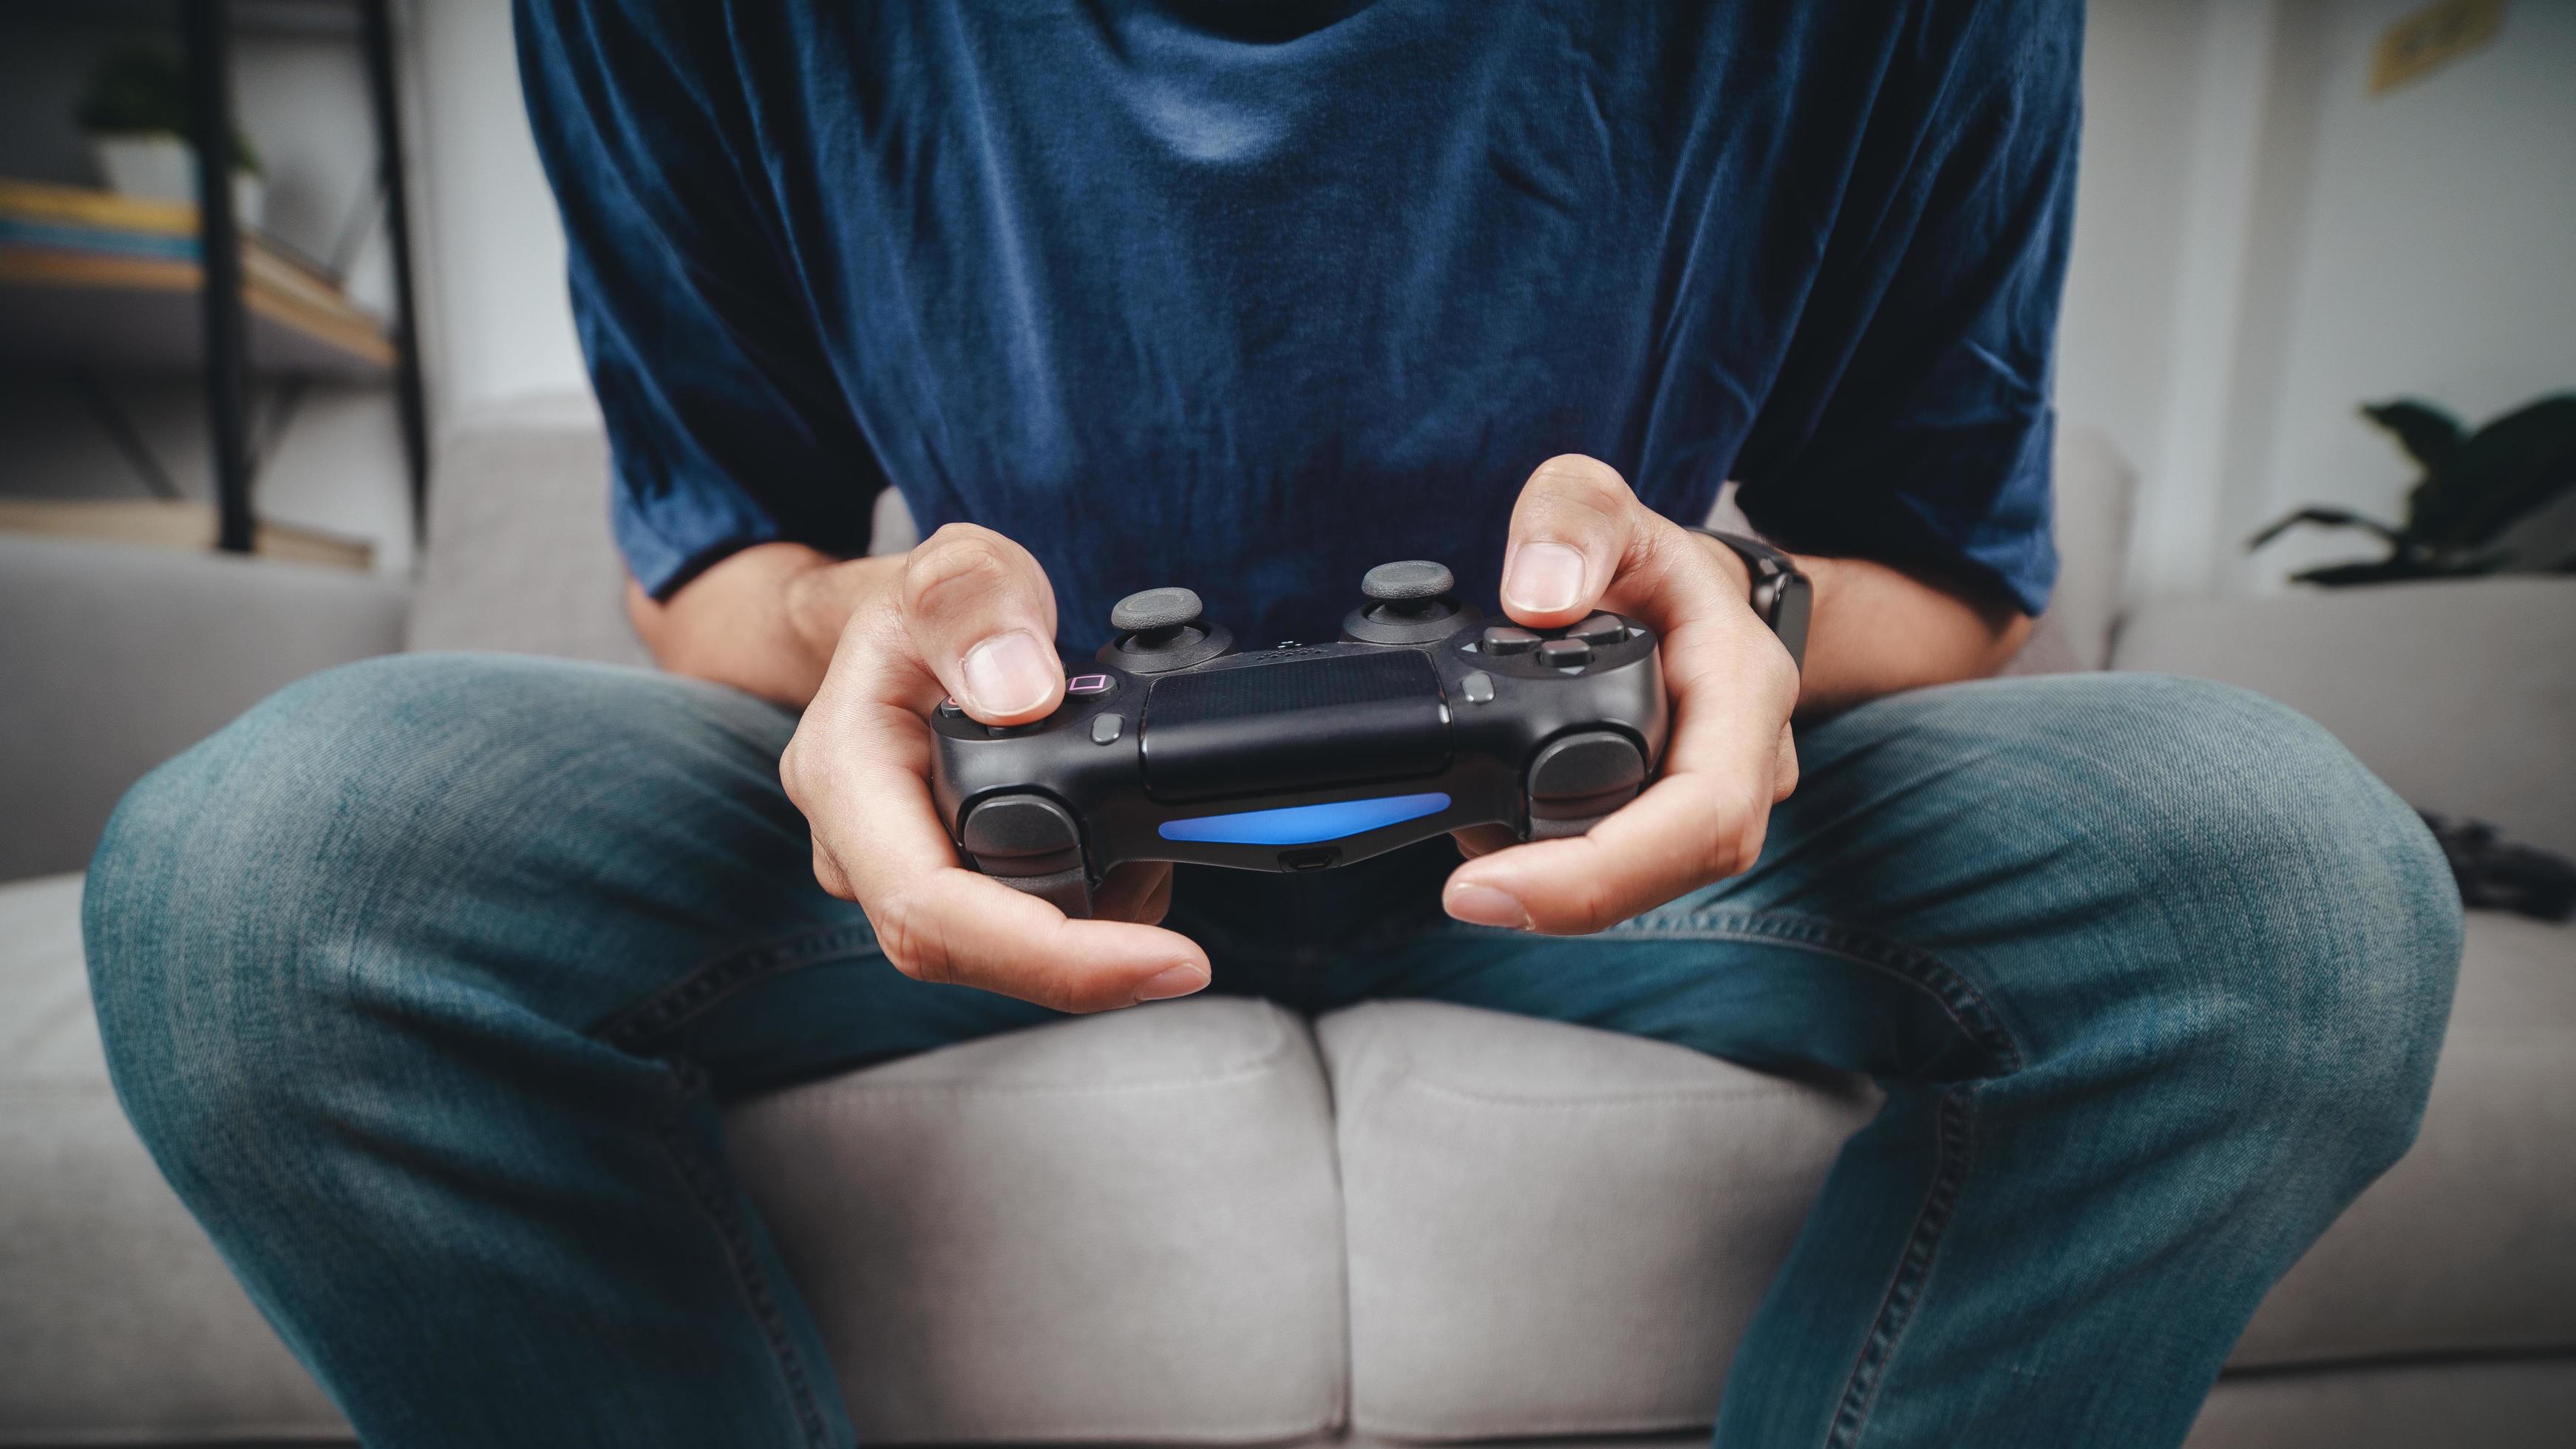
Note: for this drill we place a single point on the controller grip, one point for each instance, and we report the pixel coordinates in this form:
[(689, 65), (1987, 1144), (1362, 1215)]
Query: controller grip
[(1578, 779), (1030, 843)]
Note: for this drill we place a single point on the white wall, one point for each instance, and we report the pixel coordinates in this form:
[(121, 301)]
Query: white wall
[(504, 329), (2259, 247), (2143, 87)]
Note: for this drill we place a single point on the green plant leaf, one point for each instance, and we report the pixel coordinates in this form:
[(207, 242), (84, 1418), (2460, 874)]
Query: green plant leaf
[(2401, 569), (2505, 471), (2428, 434), (2325, 518), (144, 88)]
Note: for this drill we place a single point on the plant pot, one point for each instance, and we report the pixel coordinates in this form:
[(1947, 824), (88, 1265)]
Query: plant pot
[(162, 166)]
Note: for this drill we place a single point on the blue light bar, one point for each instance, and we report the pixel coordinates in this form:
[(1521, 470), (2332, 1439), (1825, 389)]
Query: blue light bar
[(1305, 824)]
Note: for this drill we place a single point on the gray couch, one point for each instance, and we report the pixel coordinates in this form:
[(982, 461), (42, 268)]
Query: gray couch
[(1406, 1221)]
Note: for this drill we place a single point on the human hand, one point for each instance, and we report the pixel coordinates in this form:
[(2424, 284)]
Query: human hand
[(1580, 540), (969, 614)]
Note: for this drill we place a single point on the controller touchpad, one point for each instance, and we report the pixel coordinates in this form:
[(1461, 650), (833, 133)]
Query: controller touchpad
[(1264, 728)]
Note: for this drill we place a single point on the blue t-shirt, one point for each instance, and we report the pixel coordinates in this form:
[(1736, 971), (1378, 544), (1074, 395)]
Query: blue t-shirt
[(1250, 297)]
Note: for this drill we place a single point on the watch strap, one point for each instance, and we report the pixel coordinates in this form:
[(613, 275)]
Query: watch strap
[(1782, 596)]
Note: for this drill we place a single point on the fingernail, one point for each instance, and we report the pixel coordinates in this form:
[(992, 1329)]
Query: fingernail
[(1484, 906), (1547, 578), (1170, 982), (1010, 672)]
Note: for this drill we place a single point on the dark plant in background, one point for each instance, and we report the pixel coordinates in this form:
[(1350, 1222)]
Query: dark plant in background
[(143, 89), (2475, 486)]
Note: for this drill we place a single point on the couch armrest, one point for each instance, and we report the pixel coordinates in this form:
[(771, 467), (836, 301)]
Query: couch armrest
[(114, 658), (2462, 696)]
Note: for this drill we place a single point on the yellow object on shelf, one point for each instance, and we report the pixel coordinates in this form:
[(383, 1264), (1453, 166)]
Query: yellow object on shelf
[(89, 277)]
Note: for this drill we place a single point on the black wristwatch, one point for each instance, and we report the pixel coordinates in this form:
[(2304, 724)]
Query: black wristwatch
[(1781, 594)]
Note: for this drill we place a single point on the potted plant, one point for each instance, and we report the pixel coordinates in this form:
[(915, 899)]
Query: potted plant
[(2476, 485), (136, 116)]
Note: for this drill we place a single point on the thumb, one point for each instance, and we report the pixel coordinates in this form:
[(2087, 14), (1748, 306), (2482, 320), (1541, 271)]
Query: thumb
[(1573, 524), (981, 616)]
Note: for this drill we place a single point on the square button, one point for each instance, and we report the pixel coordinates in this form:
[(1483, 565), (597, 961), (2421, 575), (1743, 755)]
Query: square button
[(1087, 684)]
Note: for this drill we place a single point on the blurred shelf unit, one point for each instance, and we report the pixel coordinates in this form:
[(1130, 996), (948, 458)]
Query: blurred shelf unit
[(95, 283), (94, 279)]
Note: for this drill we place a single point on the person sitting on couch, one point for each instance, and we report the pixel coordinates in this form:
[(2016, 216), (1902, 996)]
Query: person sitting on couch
[(425, 980)]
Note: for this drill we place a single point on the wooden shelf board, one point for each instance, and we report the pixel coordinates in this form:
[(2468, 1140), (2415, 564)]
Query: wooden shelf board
[(105, 311), (182, 524)]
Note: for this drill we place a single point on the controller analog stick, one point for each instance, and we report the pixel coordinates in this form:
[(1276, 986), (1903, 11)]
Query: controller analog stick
[(1159, 631), (1416, 581), (1409, 602), (1155, 610), (1579, 778)]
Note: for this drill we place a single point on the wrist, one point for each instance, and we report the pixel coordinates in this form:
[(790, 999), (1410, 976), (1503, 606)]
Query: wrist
[(1777, 588), (820, 599), (1739, 574)]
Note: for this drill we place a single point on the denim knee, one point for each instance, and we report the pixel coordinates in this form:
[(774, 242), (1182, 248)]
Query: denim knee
[(215, 877), (249, 907), (382, 848), (2318, 922)]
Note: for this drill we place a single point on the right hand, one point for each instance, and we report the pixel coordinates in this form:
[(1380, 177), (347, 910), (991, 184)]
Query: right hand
[(969, 615)]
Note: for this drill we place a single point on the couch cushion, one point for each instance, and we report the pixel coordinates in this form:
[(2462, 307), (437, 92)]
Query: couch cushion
[(519, 557), (118, 1324), (2460, 695), (1553, 1229), (113, 658), (2468, 1245), (1119, 1227), (2510, 1404)]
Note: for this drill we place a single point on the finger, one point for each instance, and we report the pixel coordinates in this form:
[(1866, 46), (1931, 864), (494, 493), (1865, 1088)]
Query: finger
[(1684, 832), (1478, 840), (980, 615), (1159, 904), (858, 769), (1571, 530), (1728, 761), (1137, 890)]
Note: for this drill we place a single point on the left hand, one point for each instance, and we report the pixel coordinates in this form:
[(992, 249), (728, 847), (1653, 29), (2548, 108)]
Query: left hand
[(1581, 541)]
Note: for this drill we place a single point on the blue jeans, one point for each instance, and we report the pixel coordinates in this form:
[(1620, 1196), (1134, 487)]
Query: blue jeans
[(423, 982)]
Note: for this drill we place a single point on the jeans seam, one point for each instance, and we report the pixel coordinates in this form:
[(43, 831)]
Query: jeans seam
[(1960, 1000), (637, 1028), (1956, 1126), (717, 1204)]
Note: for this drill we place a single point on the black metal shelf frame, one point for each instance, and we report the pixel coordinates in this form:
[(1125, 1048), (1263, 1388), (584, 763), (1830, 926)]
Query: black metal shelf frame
[(206, 40)]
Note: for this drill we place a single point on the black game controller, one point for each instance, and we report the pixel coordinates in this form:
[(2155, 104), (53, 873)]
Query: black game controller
[(1423, 719)]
